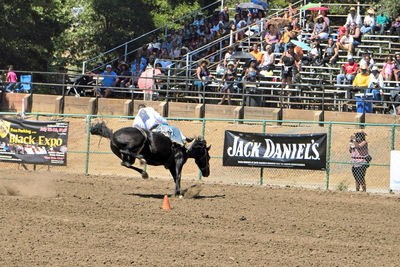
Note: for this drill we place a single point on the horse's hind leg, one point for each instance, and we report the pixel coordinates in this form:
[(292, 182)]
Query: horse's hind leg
[(142, 172)]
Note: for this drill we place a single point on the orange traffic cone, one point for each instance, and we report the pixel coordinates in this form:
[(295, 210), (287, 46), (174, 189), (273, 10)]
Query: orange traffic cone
[(165, 203)]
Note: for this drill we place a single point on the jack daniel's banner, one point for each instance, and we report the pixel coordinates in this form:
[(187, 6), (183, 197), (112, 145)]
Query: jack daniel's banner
[(36, 142), (296, 151)]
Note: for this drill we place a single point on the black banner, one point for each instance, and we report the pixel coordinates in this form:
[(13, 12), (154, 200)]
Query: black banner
[(295, 151), (36, 142)]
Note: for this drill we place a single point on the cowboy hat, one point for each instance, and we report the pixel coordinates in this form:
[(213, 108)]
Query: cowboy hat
[(231, 63), (371, 11), (204, 60), (375, 68), (363, 66), (352, 8), (320, 16)]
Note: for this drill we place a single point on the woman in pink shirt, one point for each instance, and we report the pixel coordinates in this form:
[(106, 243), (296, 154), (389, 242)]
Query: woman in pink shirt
[(387, 70), (11, 78), (359, 155)]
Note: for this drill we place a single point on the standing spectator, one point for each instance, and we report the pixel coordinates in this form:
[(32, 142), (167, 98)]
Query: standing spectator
[(353, 17), (359, 155), (331, 53), (369, 22), (292, 10), (350, 70), (268, 62), (395, 27), (388, 67), (346, 42), (199, 20), (228, 55), (396, 70), (360, 81), (256, 54), (202, 73), (225, 14), (289, 68), (228, 78), (288, 35), (11, 79), (310, 21), (375, 84), (320, 29), (382, 23)]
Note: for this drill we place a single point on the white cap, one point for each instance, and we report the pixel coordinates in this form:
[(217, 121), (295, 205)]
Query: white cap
[(108, 66), (349, 57)]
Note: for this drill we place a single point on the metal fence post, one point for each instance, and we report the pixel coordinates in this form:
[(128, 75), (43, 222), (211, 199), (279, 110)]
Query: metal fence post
[(393, 137), (328, 156), (126, 52), (89, 119), (203, 128), (262, 169)]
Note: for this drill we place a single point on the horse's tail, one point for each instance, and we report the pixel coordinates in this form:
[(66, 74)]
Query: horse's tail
[(101, 129)]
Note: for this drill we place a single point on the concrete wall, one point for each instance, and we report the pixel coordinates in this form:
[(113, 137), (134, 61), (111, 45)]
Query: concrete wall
[(44, 103), (12, 102)]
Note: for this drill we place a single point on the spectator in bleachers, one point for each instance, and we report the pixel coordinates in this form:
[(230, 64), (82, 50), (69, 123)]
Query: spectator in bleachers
[(208, 34), (167, 44), (367, 59), (199, 20), (355, 32), (395, 27), (228, 55), (179, 37), (109, 81), (297, 28), (135, 71), (225, 13), (11, 79), (353, 16), (288, 34), (292, 11), (320, 29), (175, 51), (256, 53), (202, 74), (346, 42), (360, 81), (326, 18), (155, 44), (375, 83), (369, 22), (382, 23), (396, 70), (289, 68), (252, 74), (229, 79), (272, 37), (350, 71), (144, 51), (311, 20), (268, 62), (124, 81), (314, 56), (331, 53), (388, 67), (139, 60)]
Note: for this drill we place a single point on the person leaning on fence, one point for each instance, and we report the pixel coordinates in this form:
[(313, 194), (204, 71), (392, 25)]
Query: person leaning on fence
[(229, 79), (359, 157)]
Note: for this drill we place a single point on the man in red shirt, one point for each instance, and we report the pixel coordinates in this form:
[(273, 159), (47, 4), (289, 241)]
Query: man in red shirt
[(350, 71)]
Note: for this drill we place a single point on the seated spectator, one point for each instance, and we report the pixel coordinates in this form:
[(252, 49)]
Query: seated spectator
[(395, 27), (353, 17), (109, 81), (346, 42), (297, 28), (268, 61), (289, 67), (202, 74), (220, 33), (11, 79), (314, 56), (331, 53), (350, 71), (369, 22), (256, 53), (225, 13), (375, 84), (355, 32), (396, 70), (126, 80), (382, 23), (175, 51), (292, 10), (199, 20), (272, 37), (360, 81), (228, 55), (320, 29), (288, 35), (311, 20), (388, 67), (155, 44), (144, 51), (167, 44), (366, 59), (252, 74), (229, 79)]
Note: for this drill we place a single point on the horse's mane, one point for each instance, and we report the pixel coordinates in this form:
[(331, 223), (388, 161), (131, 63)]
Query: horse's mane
[(197, 142)]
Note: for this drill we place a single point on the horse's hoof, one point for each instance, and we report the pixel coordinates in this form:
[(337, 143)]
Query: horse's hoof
[(142, 162), (125, 164), (145, 175)]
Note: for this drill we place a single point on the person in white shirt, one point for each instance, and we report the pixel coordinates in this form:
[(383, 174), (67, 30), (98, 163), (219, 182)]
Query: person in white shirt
[(367, 60), (346, 42), (369, 22), (353, 17), (149, 119), (375, 84)]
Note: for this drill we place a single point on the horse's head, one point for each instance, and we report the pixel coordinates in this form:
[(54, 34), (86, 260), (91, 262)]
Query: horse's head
[(199, 151)]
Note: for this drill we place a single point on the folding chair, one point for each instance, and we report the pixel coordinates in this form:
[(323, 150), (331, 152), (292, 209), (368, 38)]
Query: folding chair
[(25, 85)]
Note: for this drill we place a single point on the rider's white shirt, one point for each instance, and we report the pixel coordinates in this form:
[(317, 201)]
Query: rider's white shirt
[(147, 118)]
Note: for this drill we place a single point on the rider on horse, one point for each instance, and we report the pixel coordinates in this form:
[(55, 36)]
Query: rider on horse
[(149, 119)]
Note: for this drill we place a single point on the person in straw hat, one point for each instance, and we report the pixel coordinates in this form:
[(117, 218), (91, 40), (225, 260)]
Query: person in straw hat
[(320, 29), (359, 158), (353, 16), (202, 73), (229, 78), (375, 84), (369, 22)]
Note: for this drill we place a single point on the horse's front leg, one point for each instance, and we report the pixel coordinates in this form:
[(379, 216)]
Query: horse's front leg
[(142, 172)]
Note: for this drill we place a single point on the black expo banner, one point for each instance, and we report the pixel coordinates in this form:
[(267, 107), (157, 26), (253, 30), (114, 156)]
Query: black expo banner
[(36, 142), (297, 151)]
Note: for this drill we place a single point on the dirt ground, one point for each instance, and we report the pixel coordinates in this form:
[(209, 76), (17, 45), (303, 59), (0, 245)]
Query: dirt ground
[(56, 219)]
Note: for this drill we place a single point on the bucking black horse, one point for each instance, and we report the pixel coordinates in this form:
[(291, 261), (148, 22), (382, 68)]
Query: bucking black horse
[(156, 149)]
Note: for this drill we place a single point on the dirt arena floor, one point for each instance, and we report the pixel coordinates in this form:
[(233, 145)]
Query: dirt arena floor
[(56, 219)]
